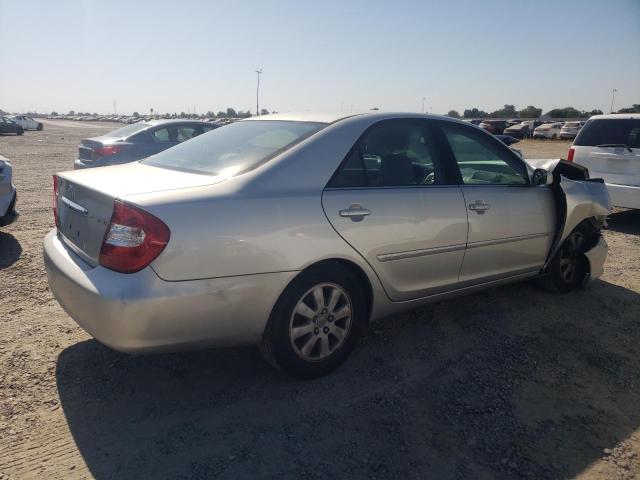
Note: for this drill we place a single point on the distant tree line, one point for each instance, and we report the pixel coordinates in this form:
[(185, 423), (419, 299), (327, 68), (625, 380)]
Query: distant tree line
[(509, 111)]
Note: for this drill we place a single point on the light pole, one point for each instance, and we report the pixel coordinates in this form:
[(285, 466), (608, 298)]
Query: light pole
[(258, 71), (423, 99), (613, 96)]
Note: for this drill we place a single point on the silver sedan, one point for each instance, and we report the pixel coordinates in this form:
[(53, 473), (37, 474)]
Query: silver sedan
[(294, 231)]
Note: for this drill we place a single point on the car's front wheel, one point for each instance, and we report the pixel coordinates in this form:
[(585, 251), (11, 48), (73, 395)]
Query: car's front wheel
[(316, 322), (39, 127), (569, 267)]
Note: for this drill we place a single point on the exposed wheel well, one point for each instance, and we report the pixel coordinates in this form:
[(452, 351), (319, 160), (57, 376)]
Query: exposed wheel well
[(357, 271)]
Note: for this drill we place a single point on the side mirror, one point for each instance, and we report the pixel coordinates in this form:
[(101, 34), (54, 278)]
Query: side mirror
[(542, 177)]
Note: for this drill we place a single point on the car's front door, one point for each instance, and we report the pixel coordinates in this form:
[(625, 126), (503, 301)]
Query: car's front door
[(391, 201), (511, 222)]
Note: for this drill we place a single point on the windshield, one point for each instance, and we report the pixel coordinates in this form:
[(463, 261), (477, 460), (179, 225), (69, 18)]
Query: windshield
[(234, 148), (127, 131)]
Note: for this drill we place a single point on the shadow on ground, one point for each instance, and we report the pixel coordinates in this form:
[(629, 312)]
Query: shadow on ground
[(625, 222), (510, 383), (10, 250)]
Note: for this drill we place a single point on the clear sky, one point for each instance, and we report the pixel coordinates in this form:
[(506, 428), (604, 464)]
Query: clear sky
[(317, 54)]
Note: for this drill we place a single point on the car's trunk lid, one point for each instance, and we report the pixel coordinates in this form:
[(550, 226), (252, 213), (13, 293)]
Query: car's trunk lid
[(85, 199)]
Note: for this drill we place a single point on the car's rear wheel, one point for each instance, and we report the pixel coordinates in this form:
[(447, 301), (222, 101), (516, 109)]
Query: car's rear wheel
[(39, 126), (554, 137), (569, 267), (316, 322), (20, 132)]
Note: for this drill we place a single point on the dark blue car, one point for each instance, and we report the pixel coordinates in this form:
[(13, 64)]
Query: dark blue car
[(137, 141)]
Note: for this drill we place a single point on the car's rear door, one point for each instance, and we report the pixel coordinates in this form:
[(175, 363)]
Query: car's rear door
[(511, 222), (390, 200)]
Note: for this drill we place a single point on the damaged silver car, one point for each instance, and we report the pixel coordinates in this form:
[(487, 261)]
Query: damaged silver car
[(294, 231)]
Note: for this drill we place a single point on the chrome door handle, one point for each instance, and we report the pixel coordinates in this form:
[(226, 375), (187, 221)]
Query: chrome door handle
[(479, 207), (355, 212)]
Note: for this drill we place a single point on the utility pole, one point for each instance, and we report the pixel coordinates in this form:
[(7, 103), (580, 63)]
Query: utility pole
[(613, 96), (423, 99), (258, 71)]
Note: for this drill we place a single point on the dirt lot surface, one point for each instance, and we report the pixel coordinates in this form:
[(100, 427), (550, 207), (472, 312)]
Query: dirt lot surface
[(509, 383)]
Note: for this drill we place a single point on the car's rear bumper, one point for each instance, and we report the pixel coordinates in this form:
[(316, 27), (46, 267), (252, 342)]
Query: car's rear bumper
[(626, 196), (140, 312), (8, 211)]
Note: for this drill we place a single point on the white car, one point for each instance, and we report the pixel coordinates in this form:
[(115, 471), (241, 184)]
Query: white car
[(548, 130), (570, 130), (8, 212), (609, 146), (27, 123)]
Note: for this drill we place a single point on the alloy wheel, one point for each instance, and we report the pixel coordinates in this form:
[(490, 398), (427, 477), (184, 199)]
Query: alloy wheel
[(320, 322), (569, 257)]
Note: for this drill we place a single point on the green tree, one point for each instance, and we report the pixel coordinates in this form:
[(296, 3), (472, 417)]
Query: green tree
[(566, 112), (264, 111), (453, 114), (530, 112), (71, 112), (54, 113), (634, 109), (475, 113), (231, 113), (136, 115), (505, 111), (221, 114)]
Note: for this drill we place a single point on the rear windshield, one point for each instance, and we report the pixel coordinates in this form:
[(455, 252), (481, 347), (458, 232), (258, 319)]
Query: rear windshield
[(572, 124), (610, 132), (127, 131), (234, 148)]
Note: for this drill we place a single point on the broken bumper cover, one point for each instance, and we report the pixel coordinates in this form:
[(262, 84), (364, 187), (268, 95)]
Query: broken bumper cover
[(596, 256)]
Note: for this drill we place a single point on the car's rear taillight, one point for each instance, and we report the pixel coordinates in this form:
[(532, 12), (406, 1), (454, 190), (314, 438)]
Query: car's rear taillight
[(133, 240), (570, 155), (55, 200), (107, 150)]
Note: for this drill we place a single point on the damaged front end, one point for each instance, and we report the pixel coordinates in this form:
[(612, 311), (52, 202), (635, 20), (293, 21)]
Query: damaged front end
[(582, 203)]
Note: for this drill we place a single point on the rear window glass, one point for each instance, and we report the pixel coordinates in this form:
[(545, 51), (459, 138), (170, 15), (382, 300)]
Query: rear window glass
[(234, 148), (127, 131), (572, 124), (610, 132)]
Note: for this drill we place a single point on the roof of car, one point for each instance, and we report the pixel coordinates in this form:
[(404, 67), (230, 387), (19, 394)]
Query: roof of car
[(617, 116), (163, 121), (324, 117)]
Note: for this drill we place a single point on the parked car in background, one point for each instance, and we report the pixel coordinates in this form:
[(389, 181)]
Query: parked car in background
[(27, 123), (9, 126), (493, 126), (137, 141), (548, 130), (8, 195), (513, 121), (609, 146), (294, 231), (523, 129), (506, 139), (570, 129), (475, 121)]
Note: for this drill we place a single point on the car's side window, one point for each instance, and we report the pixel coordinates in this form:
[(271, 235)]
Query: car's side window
[(396, 153), (162, 135), (186, 133), (482, 161)]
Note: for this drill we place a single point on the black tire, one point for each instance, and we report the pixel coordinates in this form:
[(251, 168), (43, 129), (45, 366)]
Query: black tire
[(569, 268), (278, 346), (20, 132), (39, 127)]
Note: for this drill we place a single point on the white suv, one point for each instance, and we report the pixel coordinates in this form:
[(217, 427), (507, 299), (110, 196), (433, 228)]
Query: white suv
[(609, 146)]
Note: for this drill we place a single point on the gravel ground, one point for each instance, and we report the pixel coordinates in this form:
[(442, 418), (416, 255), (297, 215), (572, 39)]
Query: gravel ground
[(509, 383)]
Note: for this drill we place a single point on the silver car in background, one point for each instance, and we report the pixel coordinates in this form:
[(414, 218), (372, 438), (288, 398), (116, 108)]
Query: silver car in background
[(294, 231), (8, 194)]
